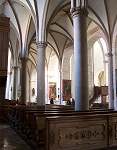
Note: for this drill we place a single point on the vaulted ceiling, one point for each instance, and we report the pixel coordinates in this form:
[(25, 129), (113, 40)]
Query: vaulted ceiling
[(26, 16)]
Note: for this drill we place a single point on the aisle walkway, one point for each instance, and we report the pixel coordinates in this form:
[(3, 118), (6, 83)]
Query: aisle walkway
[(9, 140)]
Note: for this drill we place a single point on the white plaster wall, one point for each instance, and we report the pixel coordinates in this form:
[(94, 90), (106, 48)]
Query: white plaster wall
[(90, 73), (66, 63), (33, 84)]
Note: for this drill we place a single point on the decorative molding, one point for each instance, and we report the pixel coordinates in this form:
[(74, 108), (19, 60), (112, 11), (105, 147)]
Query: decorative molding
[(77, 135), (109, 54), (76, 11), (81, 135), (15, 67), (41, 44)]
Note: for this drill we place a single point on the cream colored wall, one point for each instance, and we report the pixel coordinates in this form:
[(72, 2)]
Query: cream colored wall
[(90, 73), (66, 63), (33, 85)]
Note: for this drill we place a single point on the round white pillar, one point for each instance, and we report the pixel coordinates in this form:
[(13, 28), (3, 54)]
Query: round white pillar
[(41, 47), (79, 15), (110, 81), (15, 77)]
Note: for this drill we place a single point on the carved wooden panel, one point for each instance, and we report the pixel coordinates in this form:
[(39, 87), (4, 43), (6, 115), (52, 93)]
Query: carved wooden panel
[(113, 131), (77, 134), (4, 42)]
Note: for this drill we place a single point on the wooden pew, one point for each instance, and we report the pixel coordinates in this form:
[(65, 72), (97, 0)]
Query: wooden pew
[(38, 122), (78, 131), (50, 129), (23, 119), (32, 113)]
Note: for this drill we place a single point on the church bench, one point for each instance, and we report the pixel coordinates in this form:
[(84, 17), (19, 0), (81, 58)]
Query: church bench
[(22, 119), (32, 115), (76, 132), (22, 115), (38, 124), (39, 118), (79, 131)]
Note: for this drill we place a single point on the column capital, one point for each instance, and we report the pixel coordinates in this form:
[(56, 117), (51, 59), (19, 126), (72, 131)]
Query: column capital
[(75, 11), (41, 44), (15, 67), (109, 54), (23, 59)]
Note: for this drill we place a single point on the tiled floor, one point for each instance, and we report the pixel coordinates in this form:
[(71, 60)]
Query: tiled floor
[(9, 140)]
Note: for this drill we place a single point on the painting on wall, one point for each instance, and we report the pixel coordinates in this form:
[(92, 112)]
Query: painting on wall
[(66, 89), (52, 90)]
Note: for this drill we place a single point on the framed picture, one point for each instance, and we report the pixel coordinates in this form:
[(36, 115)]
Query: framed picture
[(52, 90), (66, 89)]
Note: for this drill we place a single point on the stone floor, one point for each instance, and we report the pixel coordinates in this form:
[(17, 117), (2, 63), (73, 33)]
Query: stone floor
[(9, 140)]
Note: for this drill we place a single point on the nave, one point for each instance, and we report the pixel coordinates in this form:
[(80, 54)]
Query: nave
[(58, 88)]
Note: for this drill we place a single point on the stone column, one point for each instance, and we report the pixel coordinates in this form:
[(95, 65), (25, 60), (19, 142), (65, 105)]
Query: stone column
[(61, 86), (15, 75), (79, 14), (110, 81), (41, 47), (8, 85), (46, 85), (23, 80)]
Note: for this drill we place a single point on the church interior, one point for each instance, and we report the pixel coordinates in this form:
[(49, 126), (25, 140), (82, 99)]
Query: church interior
[(58, 70)]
